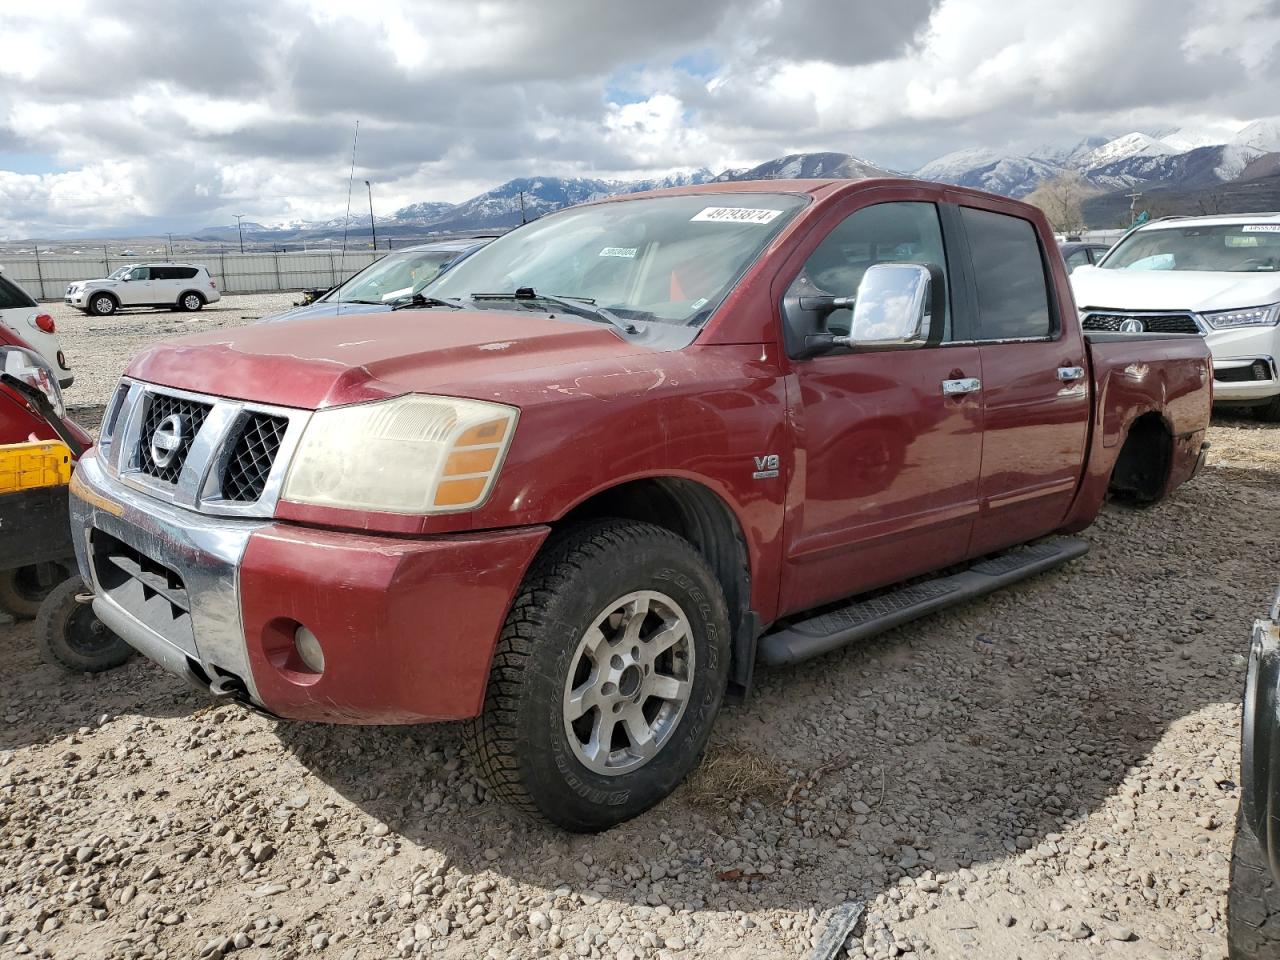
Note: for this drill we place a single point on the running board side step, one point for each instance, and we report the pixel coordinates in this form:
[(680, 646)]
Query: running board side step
[(866, 618)]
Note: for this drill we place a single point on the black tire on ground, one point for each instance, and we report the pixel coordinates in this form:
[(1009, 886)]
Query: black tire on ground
[(521, 741), (191, 301), (23, 589), (102, 305), (71, 636), (1253, 901), (1269, 412)]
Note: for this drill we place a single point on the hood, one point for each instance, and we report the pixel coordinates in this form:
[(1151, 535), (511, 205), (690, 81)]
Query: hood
[(313, 310), (1193, 290), (328, 361)]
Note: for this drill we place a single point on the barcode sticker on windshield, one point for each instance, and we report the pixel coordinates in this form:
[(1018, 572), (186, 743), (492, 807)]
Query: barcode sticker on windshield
[(1261, 228), (628, 252), (734, 215)]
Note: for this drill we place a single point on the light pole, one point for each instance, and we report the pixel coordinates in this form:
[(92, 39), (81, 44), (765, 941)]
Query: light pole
[(240, 229), (373, 226), (170, 236)]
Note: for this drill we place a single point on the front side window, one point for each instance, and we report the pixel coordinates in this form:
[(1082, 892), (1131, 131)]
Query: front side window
[(1222, 248), (1009, 273), (884, 233), (138, 273), (393, 279), (665, 259)]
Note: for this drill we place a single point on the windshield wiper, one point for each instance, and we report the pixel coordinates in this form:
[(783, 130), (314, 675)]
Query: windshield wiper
[(581, 306), (376, 303), (418, 300)]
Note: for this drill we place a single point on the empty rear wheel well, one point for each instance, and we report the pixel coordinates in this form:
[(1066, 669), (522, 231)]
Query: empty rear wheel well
[(697, 514), (1142, 468)]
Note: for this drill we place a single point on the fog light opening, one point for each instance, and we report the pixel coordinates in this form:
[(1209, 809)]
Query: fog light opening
[(309, 650)]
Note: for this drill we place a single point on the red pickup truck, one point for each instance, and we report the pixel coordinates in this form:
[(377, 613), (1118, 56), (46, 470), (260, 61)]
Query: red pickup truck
[(602, 467)]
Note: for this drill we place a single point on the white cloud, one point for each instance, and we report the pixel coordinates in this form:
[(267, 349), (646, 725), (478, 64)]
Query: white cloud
[(244, 107)]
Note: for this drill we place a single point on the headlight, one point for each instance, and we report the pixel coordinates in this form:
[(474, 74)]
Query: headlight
[(34, 371), (1248, 317), (416, 454)]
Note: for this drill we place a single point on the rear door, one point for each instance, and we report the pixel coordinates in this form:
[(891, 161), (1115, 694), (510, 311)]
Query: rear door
[(1035, 389), (886, 464)]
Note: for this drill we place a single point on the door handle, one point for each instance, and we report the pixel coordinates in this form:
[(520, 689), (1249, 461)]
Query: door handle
[(1067, 374), (956, 388)]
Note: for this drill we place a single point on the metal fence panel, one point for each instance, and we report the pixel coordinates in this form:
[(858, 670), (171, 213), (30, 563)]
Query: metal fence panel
[(46, 277)]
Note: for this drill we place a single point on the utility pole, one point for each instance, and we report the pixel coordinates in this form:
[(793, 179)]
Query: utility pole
[(522, 219), (170, 236), (1133, 204), (240, 229), (372, 224)]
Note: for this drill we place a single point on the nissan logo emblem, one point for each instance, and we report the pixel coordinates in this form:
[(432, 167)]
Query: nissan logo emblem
[(167, 440), (1132, 325)]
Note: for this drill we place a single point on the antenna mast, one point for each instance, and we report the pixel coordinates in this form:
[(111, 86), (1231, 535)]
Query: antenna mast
[(342, 261)]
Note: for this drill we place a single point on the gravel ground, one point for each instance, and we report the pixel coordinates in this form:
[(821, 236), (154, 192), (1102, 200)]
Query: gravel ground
[(1048, 772)]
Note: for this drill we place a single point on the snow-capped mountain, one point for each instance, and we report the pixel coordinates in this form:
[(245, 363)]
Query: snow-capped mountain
[(984, 169), (1129, 146), (1186, 157), (804, 166)]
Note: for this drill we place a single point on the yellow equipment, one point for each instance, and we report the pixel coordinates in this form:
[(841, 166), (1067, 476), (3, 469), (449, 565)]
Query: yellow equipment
[(37, 463)]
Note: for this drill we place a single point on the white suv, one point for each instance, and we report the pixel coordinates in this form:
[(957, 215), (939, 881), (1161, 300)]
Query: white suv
[(177, 286), (1215, 276), (21, 314)]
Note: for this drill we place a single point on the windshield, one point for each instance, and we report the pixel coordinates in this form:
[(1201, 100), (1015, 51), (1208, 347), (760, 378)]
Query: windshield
[(672, 259), (121, 273), (397, 276), (1231, 248)]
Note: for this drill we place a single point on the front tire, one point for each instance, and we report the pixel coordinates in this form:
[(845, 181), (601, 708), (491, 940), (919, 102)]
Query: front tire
[(71, 636), (190, 301), (103, 305), (607, 676)]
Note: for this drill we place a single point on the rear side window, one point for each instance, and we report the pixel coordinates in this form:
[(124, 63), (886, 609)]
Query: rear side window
[(12, 296), (1013, 299), (184, 273)]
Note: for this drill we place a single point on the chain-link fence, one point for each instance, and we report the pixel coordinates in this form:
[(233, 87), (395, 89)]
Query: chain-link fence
[(46, 276)]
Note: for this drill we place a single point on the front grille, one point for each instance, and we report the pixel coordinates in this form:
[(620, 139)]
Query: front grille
[(245, 475), (1258, 370), (1151, 322), (190, 414)]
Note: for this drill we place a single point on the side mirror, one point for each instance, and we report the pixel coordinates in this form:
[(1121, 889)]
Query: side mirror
[(897, 306)]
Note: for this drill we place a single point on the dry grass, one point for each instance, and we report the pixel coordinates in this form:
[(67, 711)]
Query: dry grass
[(734, 771)]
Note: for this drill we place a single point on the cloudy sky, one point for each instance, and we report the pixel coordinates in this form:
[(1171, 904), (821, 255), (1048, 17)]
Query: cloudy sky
[(131, 114)]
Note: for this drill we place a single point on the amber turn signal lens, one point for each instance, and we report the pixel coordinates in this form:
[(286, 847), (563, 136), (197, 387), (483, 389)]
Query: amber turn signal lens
[(452, 493), (482, 433), (462, 462)]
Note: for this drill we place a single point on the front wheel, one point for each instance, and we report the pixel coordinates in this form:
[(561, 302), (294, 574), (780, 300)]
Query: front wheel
[(607, 677), (103, 305), (71, 635)]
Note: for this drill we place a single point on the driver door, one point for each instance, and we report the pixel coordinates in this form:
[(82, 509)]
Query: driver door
[(137, 289), (886, 464)]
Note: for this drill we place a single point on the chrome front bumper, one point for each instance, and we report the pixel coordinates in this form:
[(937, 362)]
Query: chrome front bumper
[(193, 628)]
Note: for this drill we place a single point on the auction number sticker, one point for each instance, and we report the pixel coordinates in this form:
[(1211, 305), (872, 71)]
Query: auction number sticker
[(734, 215), (1261, 228), (627, 252)]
